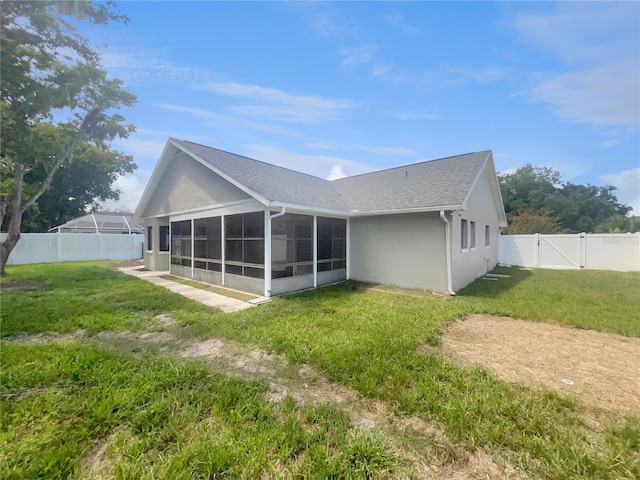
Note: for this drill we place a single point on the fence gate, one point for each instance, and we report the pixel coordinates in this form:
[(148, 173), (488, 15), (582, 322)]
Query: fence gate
[(602, 251), (561, 251)]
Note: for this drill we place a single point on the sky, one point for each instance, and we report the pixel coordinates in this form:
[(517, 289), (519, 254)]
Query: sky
[(336, 89)]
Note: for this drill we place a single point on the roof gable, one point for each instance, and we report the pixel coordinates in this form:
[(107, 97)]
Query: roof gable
[(443, 184)]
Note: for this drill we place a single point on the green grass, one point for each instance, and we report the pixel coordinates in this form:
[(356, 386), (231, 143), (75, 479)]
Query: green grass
[(593, 299), (164, 419), (356, 336), (227, 292)]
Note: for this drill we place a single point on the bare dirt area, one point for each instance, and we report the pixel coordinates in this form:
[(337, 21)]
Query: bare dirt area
[(602, 369), (425, 446)]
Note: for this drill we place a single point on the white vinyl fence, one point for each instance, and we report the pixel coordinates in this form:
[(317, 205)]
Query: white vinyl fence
[(66, 247), (601, 251)]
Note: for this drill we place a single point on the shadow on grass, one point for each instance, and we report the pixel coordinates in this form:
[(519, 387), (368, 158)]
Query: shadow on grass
[(334, 291), (492, 287)]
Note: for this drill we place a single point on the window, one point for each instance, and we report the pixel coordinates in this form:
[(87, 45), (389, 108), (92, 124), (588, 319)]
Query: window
[(291, 245), (332, 244), (244, 244), (164, 238), (472, 240), (207, 243), (464, 234), (487, 236), (149, 238), (181, 243)]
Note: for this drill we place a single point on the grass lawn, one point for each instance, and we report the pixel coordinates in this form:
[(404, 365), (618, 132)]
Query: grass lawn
[(157, 415)]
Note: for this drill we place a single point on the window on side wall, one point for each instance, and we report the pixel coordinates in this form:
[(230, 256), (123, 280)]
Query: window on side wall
[(149, 237), (487, 236), (464, 234), (164, 238), (472, 231)]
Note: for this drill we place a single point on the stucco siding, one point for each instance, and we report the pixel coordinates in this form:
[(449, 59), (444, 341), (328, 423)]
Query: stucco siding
[(186, 184), (403, 250), (473, 262)]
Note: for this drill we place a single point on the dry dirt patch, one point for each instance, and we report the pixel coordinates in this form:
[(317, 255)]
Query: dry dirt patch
[(603, 369)]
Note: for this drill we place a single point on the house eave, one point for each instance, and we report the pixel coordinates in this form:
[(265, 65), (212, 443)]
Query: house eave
[(291, 207), (436, 208)]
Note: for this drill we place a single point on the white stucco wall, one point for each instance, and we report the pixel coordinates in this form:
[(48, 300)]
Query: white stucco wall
[(186, 184), (405, 250), (469, 264)]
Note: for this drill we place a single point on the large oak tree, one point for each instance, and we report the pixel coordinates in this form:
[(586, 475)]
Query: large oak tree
[(56, 103), (536, 200)]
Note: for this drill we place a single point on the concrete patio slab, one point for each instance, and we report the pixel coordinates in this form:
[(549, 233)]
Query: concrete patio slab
[(221, 302)]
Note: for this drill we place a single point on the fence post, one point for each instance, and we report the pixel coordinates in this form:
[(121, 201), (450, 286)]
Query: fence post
[(583, 250), (59, 247), (536, 250)]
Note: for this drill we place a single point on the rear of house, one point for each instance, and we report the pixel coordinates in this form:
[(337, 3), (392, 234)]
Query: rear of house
[(241, 223)]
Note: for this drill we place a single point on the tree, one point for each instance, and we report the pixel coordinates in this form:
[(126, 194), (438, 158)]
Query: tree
[(525, 223), (76, 188), (620, 224), (538, 193), (55, 99)]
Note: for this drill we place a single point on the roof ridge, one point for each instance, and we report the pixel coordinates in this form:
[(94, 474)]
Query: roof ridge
[(409, 165), (254, 159)]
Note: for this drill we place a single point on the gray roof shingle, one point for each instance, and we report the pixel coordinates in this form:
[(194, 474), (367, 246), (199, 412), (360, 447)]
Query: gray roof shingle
[(435, 183)]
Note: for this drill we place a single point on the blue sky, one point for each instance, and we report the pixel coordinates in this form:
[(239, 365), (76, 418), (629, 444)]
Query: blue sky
[(337, 89)]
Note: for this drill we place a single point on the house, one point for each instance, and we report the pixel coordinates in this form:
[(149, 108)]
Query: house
[(230, 220)]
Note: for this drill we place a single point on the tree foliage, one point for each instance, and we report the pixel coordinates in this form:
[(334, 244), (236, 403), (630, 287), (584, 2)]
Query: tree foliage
[(58, 107), (536, 197)]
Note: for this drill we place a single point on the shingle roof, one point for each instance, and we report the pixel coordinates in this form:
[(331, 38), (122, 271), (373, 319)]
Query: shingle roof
[(435, 183), (274, 183)]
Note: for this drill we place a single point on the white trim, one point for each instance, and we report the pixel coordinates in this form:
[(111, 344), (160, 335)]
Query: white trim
[(267, 253), (347, 240), (202, 210), (447, 241), (315, 251), (223, 255), (354, 214), (324, 212), (193, 244)]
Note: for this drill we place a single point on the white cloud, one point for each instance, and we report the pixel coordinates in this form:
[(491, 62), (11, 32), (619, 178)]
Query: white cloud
[(599, 45), (214, 117), (317, 165), (125, 63), (398, 21), (404, 115), (336, 173), (131, 188), (277, 104), (373, 149), (578, 32), (608, 95), (628, 187)]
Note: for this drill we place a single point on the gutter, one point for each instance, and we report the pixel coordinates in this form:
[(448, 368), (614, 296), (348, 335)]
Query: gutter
[(447, 239), (279, 214)]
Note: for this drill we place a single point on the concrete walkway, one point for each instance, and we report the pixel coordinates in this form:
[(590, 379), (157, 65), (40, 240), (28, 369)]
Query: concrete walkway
[(222, 302)]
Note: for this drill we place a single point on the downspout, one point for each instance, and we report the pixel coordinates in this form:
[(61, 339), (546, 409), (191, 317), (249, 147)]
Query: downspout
[(447, 239), (279, 214), (267, 256)]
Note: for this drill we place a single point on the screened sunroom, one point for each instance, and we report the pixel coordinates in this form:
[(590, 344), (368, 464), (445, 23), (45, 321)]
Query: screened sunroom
[(302, 251)]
